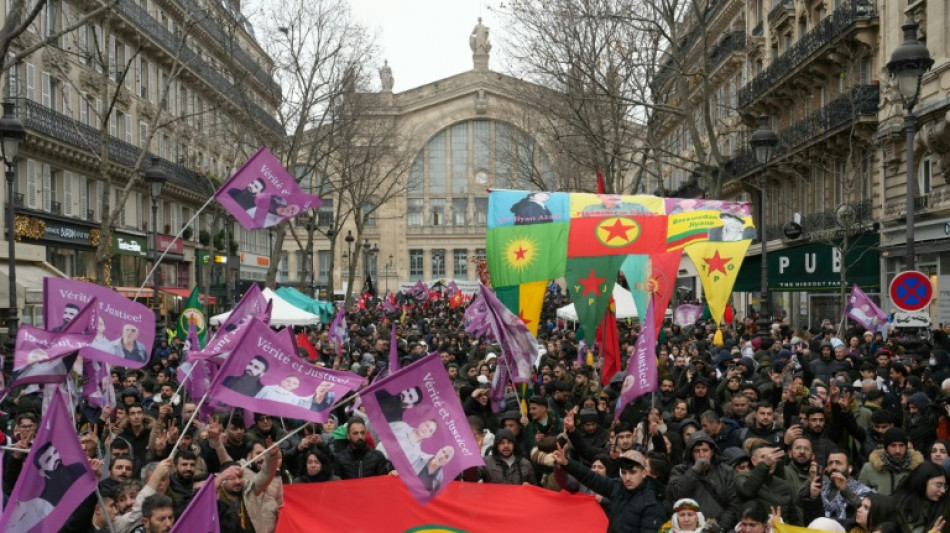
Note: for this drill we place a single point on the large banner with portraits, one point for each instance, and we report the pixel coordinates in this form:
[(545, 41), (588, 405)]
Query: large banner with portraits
[(125, 329), (422, 426), (264, 374), (39, 354)]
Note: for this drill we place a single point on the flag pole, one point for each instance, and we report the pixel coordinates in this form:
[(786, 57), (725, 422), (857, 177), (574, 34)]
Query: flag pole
[(188, 425), (272, 446), (165, 252), (185, 380), (105, 511)]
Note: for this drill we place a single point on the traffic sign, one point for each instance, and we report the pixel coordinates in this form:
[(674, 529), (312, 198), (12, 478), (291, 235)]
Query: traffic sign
[(911, 291)]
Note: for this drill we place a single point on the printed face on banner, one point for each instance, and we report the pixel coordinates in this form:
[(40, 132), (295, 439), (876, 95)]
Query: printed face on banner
[(523, 208), (424, 417), (693, 219), (125, 329), (265, 375), (263, 194), (585, 205)]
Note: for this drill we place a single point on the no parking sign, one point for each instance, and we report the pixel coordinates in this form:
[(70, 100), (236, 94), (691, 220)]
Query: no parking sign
[(911, 291)]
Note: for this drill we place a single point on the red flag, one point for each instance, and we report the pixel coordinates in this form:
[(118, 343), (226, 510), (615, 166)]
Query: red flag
[(519, 508), (600, 183), (457, 299), (304, 342), (663, 277), (609, 341)]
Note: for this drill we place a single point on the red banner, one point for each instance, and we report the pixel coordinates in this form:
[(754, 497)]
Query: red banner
[(461, 508)]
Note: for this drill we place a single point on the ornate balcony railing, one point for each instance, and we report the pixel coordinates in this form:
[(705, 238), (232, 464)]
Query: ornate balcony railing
[(780, 7), (41, 119), (173, 46), (826, 219), (827, 31), (859, 101), (732, 42)]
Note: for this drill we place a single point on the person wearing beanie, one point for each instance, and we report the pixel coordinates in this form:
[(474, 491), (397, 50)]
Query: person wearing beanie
[(920, 422), (543, 423), (591, 432), (887, 467)]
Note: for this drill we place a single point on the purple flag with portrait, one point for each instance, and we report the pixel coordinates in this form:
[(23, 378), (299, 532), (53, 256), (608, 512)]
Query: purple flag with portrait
[(201, 515), (264, 374), (419, 292), (865, 312), (55, 479), (451, 289), (39, 353), (687, 314), (97, 387), (338, 332), (252, 305), (641, 375), (125, 329), (262, 193), (420, 423)]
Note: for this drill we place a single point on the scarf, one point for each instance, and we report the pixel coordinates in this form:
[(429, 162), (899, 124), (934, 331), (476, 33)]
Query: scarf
[(896, 466), (836, 506)]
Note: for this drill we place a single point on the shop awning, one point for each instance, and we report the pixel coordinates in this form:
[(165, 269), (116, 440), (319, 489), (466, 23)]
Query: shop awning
[(815, 267), (130, 292), (185, 293)]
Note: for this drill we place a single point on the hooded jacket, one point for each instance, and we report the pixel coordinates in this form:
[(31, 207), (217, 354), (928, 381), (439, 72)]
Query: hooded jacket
[(499, 471), (714, 489), (639, 510), (883, 479), (768, 488)]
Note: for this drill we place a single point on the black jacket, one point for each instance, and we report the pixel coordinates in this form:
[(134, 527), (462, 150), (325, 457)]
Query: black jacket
[(631, 511), (349, 464)]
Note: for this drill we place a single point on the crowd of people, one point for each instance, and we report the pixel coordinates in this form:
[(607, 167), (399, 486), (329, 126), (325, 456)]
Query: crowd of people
[(836, 430)]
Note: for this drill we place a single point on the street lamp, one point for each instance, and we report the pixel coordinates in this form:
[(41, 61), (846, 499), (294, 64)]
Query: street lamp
[(12, 134), (368, 254), (763, 143), (908, 63), (156, 179), (349, 257)]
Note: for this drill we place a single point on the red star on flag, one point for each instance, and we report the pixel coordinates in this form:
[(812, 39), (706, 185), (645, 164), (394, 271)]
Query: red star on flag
[(618, 229), (522, 317), (520, 253), (717, 263), (591, 284)]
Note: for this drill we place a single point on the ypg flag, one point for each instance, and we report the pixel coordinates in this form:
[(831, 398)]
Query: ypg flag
[(611, 224), (718, 265), (526, 300), (522, 254), (591, 282), (693, 219)]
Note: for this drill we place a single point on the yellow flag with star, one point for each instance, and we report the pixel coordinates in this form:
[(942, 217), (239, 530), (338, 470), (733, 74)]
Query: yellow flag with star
[(718, 266)]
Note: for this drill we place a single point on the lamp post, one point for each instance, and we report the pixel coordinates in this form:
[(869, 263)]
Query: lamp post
[(350, 239), (12, 134), (156, 179), (763, 143), (908, 63), (368, 253)]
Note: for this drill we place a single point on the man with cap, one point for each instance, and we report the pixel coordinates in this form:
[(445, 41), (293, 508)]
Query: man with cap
[(887, 467), (703, 478), (506, 465), (543, 423), (635, 504)]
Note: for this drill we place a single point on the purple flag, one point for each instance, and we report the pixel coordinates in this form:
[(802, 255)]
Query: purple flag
[(641, 375), (97, 388), (201, 515), (864, 311), (338, 332), (419, 292), (582, 352), (518, 346), (264, 374), (125, 330), (499, 384), (38, 353), (195, 374), (393, 350), (55, 479), (687, 314), (421, 424), (389, 306), (252, 305), (262, 193), (451, 289)]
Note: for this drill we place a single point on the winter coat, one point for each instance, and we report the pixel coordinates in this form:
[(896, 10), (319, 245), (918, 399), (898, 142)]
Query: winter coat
[(714, 490), (349, 464), (498, 471), (631, 511), (883, 479), (759, 484)]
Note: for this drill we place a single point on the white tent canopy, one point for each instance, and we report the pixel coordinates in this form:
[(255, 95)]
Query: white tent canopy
[(622, 298), (283, 313)]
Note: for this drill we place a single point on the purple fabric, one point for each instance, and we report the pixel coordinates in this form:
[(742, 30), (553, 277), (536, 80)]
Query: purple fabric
[(264, 374), (499, 383), (865, 312), (475, 319), (641, 375), (419, 292), (252, 305), (393, 350), (687, 314), (97, 388), (338, 332), (389, 307), (262, 193), (582, 352), (518, 346), (45, 499), (38, 352), (426, 462), (451, 289), (125, 329), (201, 515), (195, 374)]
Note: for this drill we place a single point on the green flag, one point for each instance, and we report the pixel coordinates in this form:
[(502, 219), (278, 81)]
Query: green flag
[(591, 282), (193, 311), (526, 253)]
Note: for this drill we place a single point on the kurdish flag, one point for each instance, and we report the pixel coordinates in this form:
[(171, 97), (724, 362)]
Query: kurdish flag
[(193, 313), (526, 253), (526, 300)]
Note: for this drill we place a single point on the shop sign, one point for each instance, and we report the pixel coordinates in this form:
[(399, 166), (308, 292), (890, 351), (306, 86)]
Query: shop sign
[(254, 260), (125, 244), (177, 247), (63, 232), (204, 258)]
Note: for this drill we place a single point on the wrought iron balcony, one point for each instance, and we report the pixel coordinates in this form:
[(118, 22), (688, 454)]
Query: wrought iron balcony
[(732, 42), (43, 120), (830, 29), (861, 100), (826, 219), (173, 46)]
